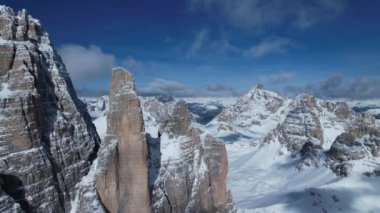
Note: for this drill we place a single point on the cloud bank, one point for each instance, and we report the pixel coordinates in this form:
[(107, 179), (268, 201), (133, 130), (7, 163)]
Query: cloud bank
[(202, 45), (86, 63), (277, 78), (200, 38), (268, 46), (258, 14), (339, 87), (177, 89)]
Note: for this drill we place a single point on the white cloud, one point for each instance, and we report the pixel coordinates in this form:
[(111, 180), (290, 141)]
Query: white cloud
[(257, 14), (205, 47), (92, 63), (277, 78), (177, 89), (132, 64), (166, 87), (86, 63), (268, 46), (364, 87), (221, 90), (200, 38)]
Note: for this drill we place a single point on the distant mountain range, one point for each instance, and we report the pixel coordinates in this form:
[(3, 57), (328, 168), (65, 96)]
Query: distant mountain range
[(283, 150), (262, 152)]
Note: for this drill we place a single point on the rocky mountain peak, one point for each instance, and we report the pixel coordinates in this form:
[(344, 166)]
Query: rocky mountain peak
[(258, 96), (122, 82), (258, 92), (21, 26), (47, 139), (181, 122), (258, 110), (305, 101), (258, 87)]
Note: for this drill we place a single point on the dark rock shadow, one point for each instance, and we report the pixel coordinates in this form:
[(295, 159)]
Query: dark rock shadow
[(204, 114), (14, 187), (233, 137), (154, 159)]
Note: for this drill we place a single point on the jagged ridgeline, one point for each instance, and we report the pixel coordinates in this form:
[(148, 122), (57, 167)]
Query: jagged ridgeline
[(47, 140)]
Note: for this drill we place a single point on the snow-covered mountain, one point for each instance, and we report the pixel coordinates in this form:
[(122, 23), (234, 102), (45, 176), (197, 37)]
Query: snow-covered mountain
[(283, 153), (371, 107), (289, 155), (47, 139), (160, 154)]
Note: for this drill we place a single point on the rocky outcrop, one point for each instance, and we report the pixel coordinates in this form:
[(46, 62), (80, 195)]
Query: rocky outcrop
[(192, 171), (360, 141), (122, 185), (47, 140), (302, 124)]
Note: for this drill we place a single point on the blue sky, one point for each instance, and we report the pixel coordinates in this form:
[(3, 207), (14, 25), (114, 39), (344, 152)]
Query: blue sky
[(218, 47)]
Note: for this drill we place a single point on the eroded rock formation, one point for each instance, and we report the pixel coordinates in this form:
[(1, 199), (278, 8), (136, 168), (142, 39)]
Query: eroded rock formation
[(123, 185), (191, 175)]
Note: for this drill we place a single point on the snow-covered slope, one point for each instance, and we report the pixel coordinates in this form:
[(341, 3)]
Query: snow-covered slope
[(98, 108), (270, 167), (371, 107)]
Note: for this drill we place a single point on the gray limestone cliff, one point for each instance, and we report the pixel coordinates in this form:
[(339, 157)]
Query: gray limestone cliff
[(47, 140)]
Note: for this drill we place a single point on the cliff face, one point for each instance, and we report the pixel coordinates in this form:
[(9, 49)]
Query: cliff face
[(47, 140), (123, 185), (361, 141)]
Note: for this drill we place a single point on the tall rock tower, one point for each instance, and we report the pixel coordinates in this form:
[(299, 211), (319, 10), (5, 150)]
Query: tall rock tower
[(123, 185)]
